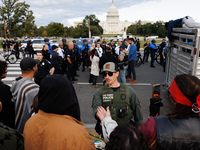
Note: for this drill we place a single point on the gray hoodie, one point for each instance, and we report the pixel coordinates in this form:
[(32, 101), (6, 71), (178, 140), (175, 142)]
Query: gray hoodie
[(24, 91)]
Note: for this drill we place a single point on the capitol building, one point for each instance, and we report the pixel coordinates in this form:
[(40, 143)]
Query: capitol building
[(113, 25)]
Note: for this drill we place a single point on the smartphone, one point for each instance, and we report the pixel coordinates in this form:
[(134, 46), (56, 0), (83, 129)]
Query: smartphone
[(156, 90)]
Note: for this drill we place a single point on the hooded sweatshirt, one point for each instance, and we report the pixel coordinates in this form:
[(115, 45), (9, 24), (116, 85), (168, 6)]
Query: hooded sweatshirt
[(57, 125), (23, 91)]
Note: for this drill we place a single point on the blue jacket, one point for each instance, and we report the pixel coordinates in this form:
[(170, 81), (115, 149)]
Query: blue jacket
[(83, 47), (153, 46), (50, 48), (133, 52)]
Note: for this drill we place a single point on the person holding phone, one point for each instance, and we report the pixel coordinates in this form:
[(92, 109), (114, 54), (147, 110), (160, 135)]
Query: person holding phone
[(180, 128)]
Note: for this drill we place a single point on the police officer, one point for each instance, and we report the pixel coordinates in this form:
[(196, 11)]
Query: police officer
[(56, 60), (47, 49), (77, 54), (44, 67), (71, 57), (120, 98), (146, 51), (16, 47), (8, 45), (162, 45), (30, 47), (4, 45), (11, 44), (65, 46), (46, 41), (153, 49), (85, 49)]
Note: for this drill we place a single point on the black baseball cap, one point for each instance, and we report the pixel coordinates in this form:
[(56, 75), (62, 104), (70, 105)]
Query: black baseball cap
[(54, 47), (27, 64)]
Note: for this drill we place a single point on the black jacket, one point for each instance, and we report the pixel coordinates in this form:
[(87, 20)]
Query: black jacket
[(107, 57), (177, 134)]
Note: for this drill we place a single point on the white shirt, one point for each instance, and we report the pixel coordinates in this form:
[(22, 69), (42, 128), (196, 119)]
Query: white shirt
[(117, 50), (100, 51), (60, 52), (128, 48)]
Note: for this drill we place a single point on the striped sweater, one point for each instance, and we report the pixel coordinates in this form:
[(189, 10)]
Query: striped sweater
[(24, 91)]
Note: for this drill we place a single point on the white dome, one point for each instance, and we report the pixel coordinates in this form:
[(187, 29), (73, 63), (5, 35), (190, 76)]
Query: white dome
[(112, 14)]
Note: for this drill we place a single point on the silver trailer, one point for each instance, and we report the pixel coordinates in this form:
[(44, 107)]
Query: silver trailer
[(183, 56)]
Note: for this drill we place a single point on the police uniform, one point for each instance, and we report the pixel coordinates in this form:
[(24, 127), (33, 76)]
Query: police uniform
[(122, 101), (8, 45), (30, 48), (44, 68), (4, 45), (85, 49), (16, 48), (65, 47), (76, 53), (71, 68)]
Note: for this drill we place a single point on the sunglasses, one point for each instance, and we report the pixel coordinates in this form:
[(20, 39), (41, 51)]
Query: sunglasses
[(109, 73)]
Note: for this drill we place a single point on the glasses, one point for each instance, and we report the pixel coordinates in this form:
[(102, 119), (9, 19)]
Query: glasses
[(109, 73)]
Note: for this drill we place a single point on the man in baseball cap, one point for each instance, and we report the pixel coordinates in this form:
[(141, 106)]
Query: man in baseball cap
[(117, 97), (24, 90)]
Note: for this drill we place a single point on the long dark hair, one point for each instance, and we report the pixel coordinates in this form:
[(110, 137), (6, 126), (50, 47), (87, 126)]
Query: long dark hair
[(93, 53), (126, 137), (190, 86)]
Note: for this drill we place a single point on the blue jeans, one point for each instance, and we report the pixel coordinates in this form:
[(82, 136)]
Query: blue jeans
[(131, 64), (122, 75)]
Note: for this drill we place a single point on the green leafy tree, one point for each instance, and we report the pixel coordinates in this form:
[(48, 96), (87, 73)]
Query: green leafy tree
[(95, 28), (55, 29), (44, 33), (19, 18), (68, 31), (40, 30), (148, 29), (80, 30)]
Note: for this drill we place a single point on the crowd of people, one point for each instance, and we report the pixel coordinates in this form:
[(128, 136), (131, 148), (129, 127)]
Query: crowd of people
[(44, 113)]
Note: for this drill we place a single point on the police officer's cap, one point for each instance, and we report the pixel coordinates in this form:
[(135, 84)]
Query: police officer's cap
[(64, 40), (46, 40), (84, 40), (54, 47), (15, 38), (104, 42), (74, 41), (98, 40), (153, 41)]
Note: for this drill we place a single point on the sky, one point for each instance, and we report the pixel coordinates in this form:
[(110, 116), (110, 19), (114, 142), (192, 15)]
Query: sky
[(68, 11)]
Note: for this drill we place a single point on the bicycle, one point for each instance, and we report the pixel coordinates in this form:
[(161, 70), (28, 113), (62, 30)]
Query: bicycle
[(157, 57), (10, 57), (24, 51), (139, 59)]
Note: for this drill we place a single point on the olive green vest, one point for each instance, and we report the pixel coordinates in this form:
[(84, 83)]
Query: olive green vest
[(118, 102)]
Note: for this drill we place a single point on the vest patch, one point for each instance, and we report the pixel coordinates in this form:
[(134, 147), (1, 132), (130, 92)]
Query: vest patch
[(107, 97)]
